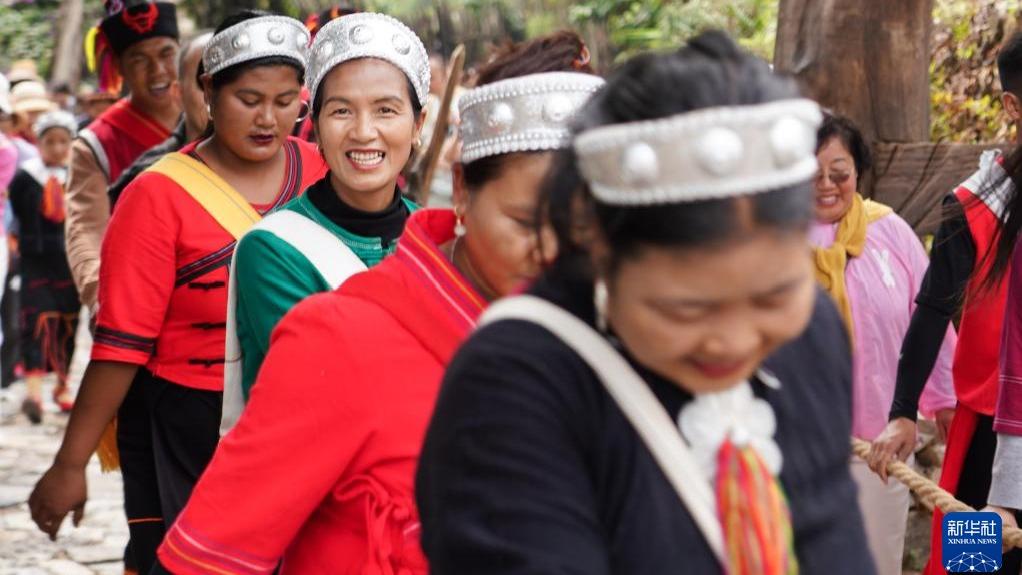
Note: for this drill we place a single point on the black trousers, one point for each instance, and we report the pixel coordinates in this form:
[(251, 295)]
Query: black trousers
[(166, 435), (974, 482)]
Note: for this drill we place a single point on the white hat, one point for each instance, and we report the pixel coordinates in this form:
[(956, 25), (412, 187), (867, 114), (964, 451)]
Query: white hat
[(5, 91), (56, 119), (30, 96)]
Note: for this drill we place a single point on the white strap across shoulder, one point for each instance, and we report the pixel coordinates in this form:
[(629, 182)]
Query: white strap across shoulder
[(331, 257), (636, 400)]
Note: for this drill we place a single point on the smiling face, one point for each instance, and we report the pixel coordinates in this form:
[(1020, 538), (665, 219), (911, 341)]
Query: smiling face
[(836, 181), (706, 318), (254, 114), (501, 246), (149, 69), (365, 126)]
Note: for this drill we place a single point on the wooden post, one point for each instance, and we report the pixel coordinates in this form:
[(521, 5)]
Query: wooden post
[(868, 59), (67, 51)]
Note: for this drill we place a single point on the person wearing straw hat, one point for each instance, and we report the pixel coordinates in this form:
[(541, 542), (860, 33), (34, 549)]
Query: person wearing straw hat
[(134, 48), (674, 393), (49, 301), (157, 354), (358, 368)]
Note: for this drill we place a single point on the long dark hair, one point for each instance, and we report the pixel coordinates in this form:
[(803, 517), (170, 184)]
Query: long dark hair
[(711, 70)]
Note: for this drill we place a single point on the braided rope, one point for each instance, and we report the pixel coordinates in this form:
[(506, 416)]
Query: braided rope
[(929, 493)]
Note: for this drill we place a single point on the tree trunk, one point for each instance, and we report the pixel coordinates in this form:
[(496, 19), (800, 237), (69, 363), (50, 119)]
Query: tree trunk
[(67, 51), (870, 60), (866, 59)]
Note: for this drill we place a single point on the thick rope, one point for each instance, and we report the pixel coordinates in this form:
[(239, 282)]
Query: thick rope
[(929, 493)]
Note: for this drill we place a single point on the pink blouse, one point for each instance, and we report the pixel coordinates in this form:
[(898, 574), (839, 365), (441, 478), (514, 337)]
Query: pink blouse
[(882, 284)]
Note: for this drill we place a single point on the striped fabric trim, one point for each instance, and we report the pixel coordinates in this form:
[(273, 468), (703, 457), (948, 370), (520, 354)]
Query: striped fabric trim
[(423, 256), (190, 548), (92, 141), (290, 188), (201, 267), (292, 177), (124, 340)]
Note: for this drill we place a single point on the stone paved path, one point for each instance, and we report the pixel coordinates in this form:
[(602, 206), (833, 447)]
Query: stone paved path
[(26, 450)]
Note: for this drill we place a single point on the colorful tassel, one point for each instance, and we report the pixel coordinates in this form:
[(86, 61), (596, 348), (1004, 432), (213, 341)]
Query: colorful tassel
[(753, 514), (100, 59), (52, 204)]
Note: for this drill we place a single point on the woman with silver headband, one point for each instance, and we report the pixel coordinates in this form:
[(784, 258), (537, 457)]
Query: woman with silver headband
[(49, 300), (157, 358), (674, 393), (368, 78), (318, 472)]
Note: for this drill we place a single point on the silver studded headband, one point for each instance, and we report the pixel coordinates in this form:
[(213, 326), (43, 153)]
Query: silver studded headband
[(261, 37), (706, 154), (369, 35), (528, 113)]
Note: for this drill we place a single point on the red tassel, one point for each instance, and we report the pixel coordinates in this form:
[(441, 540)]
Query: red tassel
[(52, 204)]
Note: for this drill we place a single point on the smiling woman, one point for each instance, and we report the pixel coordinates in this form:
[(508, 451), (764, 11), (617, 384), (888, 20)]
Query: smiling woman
[(872, 264), (157, 361), (367, 113)]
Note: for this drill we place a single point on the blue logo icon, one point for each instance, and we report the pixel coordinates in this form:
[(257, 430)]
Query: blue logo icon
[(972, 542)]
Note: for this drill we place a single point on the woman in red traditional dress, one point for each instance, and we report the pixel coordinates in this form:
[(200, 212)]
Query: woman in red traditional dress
[(319, 471), (157, 361)]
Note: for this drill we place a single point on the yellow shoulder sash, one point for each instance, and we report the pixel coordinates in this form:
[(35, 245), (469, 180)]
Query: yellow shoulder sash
[(215, 195)]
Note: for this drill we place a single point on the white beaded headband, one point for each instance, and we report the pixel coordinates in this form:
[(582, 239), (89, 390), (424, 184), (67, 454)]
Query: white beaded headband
[(369, 35), (262, 37), (706, 154), (523, 114)]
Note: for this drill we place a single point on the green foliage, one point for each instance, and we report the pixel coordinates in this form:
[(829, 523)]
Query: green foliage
[(636, 25), (964, 89), (25, 33)]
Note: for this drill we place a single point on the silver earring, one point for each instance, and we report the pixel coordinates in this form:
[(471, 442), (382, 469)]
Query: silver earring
[(459, 228), (209, 111), (600, 303)]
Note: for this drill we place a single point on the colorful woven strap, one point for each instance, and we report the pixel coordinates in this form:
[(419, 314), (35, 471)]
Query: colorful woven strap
[(753, 514)]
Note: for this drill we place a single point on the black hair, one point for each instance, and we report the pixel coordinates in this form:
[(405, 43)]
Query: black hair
[(710, 71), (851, 138), (317, 104), (1009, 64), (232, 73), (562, 51)]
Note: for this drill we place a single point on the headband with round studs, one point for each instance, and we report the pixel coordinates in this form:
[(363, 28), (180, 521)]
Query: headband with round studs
[(527, 113), (369, 35), (701, 155), (262, 37)]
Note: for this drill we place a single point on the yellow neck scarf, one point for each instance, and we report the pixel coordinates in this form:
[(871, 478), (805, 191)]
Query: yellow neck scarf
[(849, 241)]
